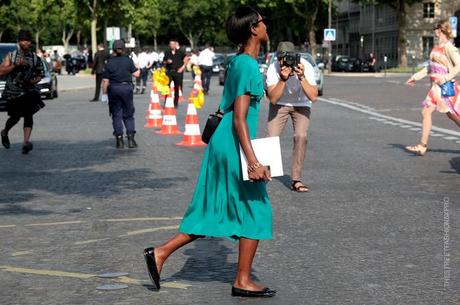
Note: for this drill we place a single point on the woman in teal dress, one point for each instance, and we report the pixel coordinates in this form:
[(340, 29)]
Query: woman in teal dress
[(224, 205)]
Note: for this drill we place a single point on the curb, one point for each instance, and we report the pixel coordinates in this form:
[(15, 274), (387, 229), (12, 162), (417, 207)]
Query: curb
[(75, 89)]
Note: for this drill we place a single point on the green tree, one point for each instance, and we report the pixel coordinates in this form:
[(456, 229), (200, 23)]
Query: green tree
[(147, 20), (194, 18)]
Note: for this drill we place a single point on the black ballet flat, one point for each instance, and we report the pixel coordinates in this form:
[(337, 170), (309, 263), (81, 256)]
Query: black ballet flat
[(5, 139), (149, 255), (264, 293), (27, 147)]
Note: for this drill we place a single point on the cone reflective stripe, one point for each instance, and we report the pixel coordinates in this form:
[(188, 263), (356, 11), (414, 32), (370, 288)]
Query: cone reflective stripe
[(197, 86), (169, 124), (181, 98), (192, 135), (172, 89), (154, 118)]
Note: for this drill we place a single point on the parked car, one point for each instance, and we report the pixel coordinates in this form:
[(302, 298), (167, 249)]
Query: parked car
[(74, 63), (48, 84), (223, 67), (5, 48), (319, 75), (217, 60), (341, 63)]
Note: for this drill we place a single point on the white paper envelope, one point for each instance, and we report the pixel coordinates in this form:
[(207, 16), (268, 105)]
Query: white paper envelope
[(268, 152)]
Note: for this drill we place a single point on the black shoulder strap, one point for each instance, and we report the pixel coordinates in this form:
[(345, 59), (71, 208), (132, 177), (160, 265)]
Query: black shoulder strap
[(14, 56)]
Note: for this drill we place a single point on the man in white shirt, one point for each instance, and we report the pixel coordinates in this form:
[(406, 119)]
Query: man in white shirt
[(291, 90), (144, 65), (194, 62), (154, 59), (205, 62)]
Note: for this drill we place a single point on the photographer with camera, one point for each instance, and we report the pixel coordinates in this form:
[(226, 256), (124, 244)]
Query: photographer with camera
[(291, 89)]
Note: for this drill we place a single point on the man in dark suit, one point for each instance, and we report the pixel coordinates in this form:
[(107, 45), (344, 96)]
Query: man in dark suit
[(99, 61)]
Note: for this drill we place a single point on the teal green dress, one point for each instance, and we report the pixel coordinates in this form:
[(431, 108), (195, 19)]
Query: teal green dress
[(224, 205)]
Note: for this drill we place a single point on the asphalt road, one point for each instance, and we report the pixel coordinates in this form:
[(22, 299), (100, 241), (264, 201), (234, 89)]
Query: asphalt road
[(380, 226)]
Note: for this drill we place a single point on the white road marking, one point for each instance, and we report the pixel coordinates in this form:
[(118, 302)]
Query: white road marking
[(386, 117)]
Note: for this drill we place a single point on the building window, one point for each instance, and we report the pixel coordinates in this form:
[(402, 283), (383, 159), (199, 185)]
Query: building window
[(428, 43), (428, 10)]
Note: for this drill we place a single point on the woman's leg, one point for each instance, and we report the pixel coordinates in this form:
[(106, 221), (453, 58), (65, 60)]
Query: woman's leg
[(427, 113), (28, 125), (454, 118), (165, 250), (12, 120), (248, 248)]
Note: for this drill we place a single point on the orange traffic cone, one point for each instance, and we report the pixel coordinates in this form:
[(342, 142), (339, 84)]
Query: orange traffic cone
[(181, 98), (169, 124), (192, 135), (197, 86), (154, 117)]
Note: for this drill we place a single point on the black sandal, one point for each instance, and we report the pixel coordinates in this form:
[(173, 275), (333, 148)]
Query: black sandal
[(5, 139), (300, 188)]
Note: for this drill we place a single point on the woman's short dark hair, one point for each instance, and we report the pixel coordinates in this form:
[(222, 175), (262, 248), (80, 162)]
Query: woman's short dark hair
[(239, 24), (24, 35)]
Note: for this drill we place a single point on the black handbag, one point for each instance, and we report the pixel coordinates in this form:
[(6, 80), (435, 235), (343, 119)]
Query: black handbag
[(211, 125)]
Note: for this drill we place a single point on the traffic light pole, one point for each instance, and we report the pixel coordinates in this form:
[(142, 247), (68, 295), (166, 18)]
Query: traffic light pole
[(329, 45)]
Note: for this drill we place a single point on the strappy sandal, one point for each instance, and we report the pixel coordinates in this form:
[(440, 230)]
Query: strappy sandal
[(419, 149), (299, 187)]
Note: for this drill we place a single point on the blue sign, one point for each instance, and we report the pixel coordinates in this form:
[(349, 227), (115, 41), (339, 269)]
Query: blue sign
[(453, 23), (329, 34)]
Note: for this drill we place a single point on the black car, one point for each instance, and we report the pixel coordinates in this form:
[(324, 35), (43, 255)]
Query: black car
[(358, 65), (223, 68), (48, 84), (74, 63), (342, 63), (217, 61), (5, 48)]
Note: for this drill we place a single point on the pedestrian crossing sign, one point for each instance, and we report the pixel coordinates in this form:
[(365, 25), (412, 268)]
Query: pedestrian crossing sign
[(453, 24), (329, 34)]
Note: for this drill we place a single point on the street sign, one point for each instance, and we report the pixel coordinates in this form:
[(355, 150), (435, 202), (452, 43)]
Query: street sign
[(113, 33), (453, 24), (329, 34)]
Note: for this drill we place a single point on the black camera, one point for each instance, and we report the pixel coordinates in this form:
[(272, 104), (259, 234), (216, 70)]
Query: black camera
[(289, 59)]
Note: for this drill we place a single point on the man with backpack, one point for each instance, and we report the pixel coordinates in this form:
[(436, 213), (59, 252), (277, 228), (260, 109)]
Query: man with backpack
[(24, 69)]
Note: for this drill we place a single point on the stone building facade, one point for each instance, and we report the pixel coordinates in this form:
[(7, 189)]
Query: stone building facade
[(362, 29)]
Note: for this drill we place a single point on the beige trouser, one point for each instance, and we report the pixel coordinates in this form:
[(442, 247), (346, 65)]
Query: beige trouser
[(277, 119)]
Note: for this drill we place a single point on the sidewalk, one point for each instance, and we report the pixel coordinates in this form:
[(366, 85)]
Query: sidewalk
[(75, 82)]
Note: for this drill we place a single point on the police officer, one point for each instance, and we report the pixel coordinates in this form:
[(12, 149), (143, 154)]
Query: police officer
[(117, 88)]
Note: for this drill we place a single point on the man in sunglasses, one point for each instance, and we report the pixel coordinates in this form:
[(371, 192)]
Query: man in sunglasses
[(291, 89)]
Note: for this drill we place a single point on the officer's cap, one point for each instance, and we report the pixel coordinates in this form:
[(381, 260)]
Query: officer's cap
[(118, 44)]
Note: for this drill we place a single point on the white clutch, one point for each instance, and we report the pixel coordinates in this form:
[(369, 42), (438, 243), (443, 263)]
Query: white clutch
[(268, 152)]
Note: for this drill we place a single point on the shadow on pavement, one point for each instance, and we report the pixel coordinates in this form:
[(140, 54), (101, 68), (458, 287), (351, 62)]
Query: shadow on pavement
[(455, 163), (430, 150), (87, 169), (207, 262), (285, 180)]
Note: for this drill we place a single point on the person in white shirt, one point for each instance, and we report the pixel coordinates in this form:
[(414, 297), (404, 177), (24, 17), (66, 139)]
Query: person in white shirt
[(205, 61), (194, 62), (291, 90), (154, 58), (143, 60)]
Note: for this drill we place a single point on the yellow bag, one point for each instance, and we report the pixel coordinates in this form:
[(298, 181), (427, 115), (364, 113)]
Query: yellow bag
[(198, 101)]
